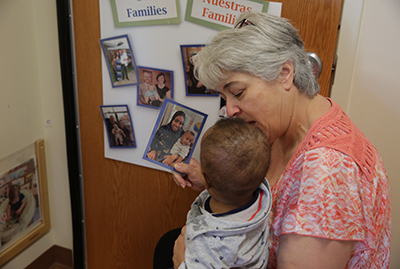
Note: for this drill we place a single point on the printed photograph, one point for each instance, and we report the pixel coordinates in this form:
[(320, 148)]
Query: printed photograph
[(174, 135), (119, 128), (156, 85), (19, 201), (193, 86), (120, 61)]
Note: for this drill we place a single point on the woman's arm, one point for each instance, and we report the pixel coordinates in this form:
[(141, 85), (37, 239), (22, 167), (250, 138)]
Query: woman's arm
[(300, 251), (179, 249), (156, 93), (168, 94), (151, 155)]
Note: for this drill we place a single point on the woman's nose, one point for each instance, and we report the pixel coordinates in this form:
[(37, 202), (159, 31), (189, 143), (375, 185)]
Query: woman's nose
[(232, 110)]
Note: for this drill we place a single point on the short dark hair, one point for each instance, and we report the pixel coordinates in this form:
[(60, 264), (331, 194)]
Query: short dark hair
[(13, 193), (161, 74), (235, 156)]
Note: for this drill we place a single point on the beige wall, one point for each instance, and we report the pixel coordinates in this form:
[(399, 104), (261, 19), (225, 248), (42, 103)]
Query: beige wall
[(31, 94), (367, 86)]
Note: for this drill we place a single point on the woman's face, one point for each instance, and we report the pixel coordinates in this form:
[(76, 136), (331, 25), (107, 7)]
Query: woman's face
[(161, 79), (121, 124), (177, 123), (263, 104)]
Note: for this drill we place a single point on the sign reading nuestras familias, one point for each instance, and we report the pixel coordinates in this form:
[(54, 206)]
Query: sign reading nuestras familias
[(145, 12), (222, 14)]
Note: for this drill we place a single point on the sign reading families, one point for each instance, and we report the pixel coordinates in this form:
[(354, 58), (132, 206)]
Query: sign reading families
[(221, 14), (145, 12)]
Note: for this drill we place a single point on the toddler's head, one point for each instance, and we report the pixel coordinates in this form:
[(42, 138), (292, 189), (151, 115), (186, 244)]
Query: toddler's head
[(187, 138), (13, 194), (235, 157)]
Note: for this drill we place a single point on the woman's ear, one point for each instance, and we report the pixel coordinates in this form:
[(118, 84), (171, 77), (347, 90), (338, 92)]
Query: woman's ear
[(287, 75)]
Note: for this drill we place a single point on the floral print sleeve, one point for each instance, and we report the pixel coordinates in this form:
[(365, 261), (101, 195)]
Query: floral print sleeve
[(325, 194)]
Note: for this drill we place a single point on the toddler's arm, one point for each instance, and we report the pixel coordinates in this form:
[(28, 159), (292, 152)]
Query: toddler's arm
[(18, 212), (169, 159), (8, 214)]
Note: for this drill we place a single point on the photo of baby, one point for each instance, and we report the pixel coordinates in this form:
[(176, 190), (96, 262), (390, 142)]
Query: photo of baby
[(174, 135), (119, 128), (155, 86), (19, 202)]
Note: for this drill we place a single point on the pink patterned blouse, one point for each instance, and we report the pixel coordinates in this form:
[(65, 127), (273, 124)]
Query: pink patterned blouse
[(335, 186)]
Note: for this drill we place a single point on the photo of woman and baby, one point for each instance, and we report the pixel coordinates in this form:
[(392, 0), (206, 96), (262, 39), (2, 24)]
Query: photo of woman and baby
[(155, 86), (119, 126), (175, 135)]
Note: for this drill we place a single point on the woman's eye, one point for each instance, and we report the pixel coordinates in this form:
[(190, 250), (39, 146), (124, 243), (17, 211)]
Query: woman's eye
[(238, 94)]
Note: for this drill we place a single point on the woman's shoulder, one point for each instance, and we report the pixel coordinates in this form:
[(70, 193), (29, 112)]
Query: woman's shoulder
[(164, 128)]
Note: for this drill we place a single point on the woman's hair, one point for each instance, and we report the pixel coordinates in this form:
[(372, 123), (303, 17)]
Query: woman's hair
[(161, 74), (259, 49), (178, 113), (235, 157)]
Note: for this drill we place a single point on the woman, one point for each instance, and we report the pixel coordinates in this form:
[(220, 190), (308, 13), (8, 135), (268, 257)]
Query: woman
[(331, 205), (162, 89), (166, 136)]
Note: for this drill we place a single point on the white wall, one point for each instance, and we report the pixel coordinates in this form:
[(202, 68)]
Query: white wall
[(367, 86), (31, 94)]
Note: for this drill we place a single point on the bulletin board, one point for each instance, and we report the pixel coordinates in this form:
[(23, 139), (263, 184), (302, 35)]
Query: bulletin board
[(158, 47)]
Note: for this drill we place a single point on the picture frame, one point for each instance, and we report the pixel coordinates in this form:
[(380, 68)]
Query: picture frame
[(192, 86), (149, 81), (118, 126), (120, 61), (175, 135), (25, 169)]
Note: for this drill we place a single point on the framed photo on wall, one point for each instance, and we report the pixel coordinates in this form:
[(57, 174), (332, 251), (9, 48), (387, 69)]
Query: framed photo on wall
[(175, 134), (192, 85), (24, 203), (118, 125), (120, 61), (156, 85)]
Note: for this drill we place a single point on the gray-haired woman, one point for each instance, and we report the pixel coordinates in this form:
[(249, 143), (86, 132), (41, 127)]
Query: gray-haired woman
[(331, 203)]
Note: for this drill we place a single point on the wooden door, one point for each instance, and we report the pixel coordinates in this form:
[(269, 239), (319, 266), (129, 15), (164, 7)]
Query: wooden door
[(128, 207)]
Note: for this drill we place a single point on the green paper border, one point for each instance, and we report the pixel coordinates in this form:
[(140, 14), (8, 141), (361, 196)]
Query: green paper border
[(216, 26), (117, 23)]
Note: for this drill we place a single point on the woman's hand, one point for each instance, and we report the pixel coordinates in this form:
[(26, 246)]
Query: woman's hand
[(169, 159), (193, 177), (179, 249), (151, 155)]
